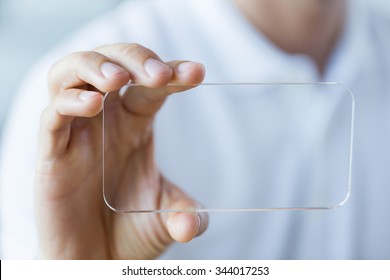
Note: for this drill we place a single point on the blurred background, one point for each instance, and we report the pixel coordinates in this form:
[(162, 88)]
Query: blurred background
[(29, 28)]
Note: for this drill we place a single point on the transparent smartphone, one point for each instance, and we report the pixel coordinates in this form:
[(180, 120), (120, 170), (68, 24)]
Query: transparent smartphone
[(232, 147)]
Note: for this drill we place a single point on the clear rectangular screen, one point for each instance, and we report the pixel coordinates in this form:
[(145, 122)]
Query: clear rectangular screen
[(233, 147)]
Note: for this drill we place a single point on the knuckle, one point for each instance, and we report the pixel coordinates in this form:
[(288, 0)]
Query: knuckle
[(51, 77), (135, 46), (45, 116), (134, 50), (128, 50), (85, 57), (54, 72), (64, 70)]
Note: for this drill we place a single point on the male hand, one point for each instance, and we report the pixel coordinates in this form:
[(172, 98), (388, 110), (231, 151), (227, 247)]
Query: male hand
[(73, 221)]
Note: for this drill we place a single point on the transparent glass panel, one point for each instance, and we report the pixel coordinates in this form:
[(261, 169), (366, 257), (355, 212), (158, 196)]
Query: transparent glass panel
[(232, 147)]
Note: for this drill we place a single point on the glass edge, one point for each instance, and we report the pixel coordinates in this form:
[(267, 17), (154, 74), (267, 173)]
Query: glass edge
[(336, 206)]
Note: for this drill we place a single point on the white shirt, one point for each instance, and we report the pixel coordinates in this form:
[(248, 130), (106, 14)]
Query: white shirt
[(216, 34)]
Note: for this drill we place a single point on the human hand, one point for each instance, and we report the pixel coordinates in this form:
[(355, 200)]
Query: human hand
[(73, 221)]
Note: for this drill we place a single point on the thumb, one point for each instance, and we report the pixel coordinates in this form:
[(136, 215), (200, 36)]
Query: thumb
[(185, 222)]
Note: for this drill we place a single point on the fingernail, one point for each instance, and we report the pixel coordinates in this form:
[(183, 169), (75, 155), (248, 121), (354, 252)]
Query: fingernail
[(153, 67), (85, 95), (199, 222), (109, 69), (185, 66)]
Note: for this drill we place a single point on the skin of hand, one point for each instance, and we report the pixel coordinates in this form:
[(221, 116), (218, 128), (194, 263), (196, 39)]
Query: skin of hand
[(73, 220)]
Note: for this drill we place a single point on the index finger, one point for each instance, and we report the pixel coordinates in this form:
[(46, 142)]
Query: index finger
[(141, 100)]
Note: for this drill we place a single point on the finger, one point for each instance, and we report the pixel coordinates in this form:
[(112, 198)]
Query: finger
[(187, 72), (57, 117), (145, 66), (70, 104), (141, 100), (186, 225), (78, 70)]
